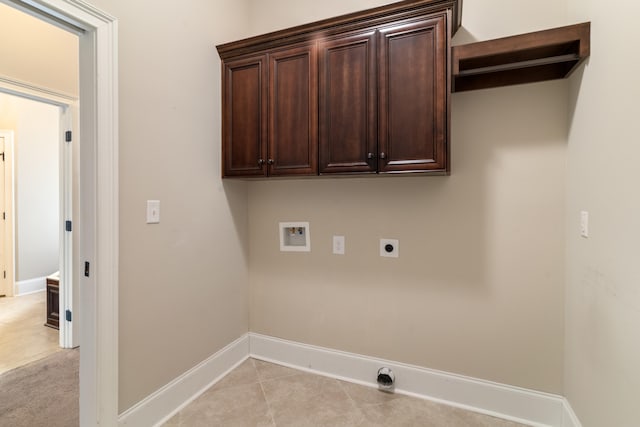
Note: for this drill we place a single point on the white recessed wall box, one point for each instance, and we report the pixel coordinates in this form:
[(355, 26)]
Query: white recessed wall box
[(294, 237)]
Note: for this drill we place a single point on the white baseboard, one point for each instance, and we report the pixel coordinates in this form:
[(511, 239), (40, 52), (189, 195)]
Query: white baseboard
[(512, 403), (30, 286), (569, 418), (167, 401)]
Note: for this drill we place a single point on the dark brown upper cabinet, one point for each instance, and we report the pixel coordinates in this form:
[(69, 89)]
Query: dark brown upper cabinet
[(293, 112), (270, 114), (362, 93), (384, 99), (348, 104), (369, 92), (244, 116), (414, 97)]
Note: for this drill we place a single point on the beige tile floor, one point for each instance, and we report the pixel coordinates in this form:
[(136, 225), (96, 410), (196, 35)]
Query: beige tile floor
[(267, 395), (23, 336)]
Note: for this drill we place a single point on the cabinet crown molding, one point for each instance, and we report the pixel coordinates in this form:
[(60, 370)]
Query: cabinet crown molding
[(378, 16)]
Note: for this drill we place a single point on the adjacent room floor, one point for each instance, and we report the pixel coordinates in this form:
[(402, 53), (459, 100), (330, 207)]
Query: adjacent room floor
[(23, 336), (267, 395)]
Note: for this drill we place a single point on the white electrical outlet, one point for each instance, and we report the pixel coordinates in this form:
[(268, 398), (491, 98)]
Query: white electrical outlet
[(390, 248), (338, 245)]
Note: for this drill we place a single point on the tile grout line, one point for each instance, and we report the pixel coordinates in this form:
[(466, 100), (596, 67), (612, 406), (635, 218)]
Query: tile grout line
[(345, 391), (363, 406), (264, 395)]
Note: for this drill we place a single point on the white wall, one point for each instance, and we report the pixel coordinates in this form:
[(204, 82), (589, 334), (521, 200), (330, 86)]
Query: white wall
[(603, 273), (478, 288), (480, 285), (488, 19), (279, 14), (38, 53), (183, 282), (36, 170)]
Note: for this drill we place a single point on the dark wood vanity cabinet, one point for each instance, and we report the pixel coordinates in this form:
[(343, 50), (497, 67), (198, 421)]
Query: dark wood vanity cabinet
[(53, 302), (359, 94)]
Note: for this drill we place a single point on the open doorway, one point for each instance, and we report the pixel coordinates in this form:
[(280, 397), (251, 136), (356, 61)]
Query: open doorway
[(97, 193), (37, 248)]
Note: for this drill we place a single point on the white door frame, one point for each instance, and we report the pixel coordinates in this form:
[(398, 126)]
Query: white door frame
[(9, 232), (98, 222), (69, 290)]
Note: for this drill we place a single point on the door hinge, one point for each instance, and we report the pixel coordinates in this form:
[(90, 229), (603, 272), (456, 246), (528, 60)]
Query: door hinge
[(86, 268), (4, 215), (67, 136), (68, 225), (4, 274), (2, 154), (67, 315)]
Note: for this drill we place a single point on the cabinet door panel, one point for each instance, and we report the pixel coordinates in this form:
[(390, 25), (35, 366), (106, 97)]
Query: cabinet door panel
[(413, 102), (348, 104), (244, 124), (293, 112)]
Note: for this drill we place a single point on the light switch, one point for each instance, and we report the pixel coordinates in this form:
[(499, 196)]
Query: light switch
[(338, 245), (153, 211), (584, 224)]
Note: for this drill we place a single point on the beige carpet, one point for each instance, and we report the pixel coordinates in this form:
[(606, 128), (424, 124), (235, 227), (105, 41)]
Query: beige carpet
[(42, 393)]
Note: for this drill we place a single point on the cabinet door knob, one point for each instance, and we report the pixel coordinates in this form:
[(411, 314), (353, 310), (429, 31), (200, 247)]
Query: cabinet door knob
[(260, 162), (371, 156), (270, 162), (383, 156)]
